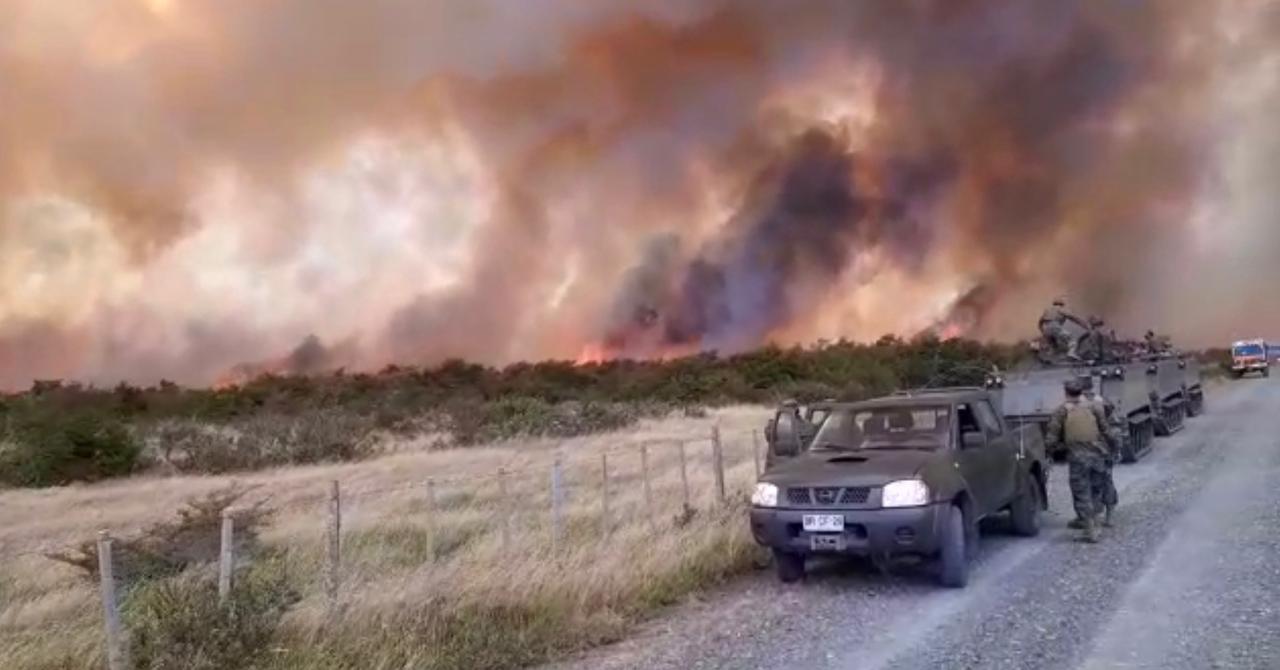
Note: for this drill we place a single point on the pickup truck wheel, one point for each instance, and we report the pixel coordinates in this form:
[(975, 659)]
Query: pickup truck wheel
[(790, 567), (1024, 513), (954, 561)]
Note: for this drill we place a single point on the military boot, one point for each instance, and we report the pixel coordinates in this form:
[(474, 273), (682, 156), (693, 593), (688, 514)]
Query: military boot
[(1091, 534), (1106, 516), (1076, 524)]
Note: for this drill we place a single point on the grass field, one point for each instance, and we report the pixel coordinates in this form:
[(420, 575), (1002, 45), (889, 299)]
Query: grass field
[(421, 586)]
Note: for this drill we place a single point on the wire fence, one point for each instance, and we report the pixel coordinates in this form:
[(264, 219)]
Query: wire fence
[(580, 499)]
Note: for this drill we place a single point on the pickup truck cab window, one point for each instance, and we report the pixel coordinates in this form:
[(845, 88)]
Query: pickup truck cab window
[(971, 432), (925, 427)]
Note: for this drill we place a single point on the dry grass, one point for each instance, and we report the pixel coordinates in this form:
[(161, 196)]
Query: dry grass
[(422, 589)]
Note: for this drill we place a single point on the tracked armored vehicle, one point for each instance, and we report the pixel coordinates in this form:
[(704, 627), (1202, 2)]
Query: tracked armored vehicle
[(1149, 394)]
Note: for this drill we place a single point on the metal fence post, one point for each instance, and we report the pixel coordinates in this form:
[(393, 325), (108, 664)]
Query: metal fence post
[(555, 504), (117, 654), (226, 557), (335, 544), (717, 456), (504, 508), (648, 490), (755, 450), (604, 495)]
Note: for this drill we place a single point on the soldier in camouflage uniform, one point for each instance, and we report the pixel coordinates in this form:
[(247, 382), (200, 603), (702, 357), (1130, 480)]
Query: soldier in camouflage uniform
[(1082, 427), (1112, 436), (1051, 327)]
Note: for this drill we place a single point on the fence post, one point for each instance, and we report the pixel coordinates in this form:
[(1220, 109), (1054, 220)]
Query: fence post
[(504, 508), (684, 476), (717, 456), (117, 655), (226, 557), (555, 503), (604, 495), (755, 450), (335, 544), (432, 522), (648, 491)]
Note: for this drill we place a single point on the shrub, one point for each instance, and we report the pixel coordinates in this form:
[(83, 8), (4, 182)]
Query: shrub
[(262, 441), (178, 622), (169, 547), (47, 448)]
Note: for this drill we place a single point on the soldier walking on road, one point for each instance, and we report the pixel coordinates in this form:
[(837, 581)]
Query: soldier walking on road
[(1111, 436), (1082, 427)]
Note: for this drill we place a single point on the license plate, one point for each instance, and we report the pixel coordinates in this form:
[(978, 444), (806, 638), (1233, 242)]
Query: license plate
[(823, 523), (826, 543)]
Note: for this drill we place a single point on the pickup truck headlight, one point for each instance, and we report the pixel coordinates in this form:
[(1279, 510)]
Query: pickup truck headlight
[(765, 495), (905, 493)]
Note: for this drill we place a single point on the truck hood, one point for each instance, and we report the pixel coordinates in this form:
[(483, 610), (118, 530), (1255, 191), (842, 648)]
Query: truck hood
[(868, 467)]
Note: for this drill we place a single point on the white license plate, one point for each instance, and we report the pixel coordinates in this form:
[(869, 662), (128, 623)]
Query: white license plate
[(823, 523)]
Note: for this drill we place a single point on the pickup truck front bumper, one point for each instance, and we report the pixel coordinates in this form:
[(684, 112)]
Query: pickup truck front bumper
[(867, 532)]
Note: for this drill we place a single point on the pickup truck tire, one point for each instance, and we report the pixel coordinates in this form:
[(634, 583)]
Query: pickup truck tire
[(790, 567), (1024, 513), (954, 559)]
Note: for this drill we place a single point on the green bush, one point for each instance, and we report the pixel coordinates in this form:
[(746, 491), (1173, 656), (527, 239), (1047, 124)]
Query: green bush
[(178, 623), (47, 448)]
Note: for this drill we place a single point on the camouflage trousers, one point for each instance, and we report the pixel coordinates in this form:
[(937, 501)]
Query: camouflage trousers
[(1110, 497), (1090, 481)]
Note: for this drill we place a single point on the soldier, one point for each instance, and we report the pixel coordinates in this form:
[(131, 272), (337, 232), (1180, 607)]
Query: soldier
[(1053, 328), (1112, 436), (1082, 427)]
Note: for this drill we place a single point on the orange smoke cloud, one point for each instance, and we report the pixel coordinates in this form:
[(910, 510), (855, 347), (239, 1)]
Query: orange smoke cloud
[(190, 185)]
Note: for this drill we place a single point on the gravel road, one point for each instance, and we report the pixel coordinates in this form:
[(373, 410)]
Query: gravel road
[(1190, 578)]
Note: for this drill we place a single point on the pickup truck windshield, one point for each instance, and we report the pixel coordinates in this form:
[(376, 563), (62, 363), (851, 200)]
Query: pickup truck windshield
[(886, 428), (1249, 350)]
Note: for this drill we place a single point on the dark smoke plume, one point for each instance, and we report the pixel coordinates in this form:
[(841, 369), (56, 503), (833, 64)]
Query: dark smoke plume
[(187, 185)]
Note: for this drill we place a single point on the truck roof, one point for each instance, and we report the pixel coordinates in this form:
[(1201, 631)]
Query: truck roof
[(919, 397)]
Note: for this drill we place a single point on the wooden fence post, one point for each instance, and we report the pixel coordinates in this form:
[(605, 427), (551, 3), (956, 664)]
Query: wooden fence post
[(648, 490), (556, 521), (684, 476), (335, 544), (755, 450), (226, 557), (433, 524), (504, 508), (717, 457), (117, 654), (604, 495)]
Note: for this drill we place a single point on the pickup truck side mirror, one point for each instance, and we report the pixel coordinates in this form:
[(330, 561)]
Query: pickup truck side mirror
[(972, 440)]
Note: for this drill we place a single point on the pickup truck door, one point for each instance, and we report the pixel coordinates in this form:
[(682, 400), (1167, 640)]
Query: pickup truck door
[(979, 461), (1006, 456)]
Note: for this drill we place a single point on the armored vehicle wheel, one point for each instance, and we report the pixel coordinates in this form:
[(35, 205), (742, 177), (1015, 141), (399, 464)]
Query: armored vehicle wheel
[(1024, 513), (954, 561), (790, 567)]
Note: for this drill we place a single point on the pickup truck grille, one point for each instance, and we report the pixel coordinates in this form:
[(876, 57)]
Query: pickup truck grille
[(828, 495)]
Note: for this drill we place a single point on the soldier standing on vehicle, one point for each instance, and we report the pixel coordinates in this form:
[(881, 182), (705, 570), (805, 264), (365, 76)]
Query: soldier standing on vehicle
[(1082, 427), (1112, 436), (1053, 328)]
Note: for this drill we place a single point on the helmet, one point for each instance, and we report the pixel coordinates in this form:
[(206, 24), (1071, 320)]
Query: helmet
[(1073, 387)]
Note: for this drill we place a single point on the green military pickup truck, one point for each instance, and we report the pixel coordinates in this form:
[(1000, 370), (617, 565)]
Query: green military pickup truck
[(907, 475)]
